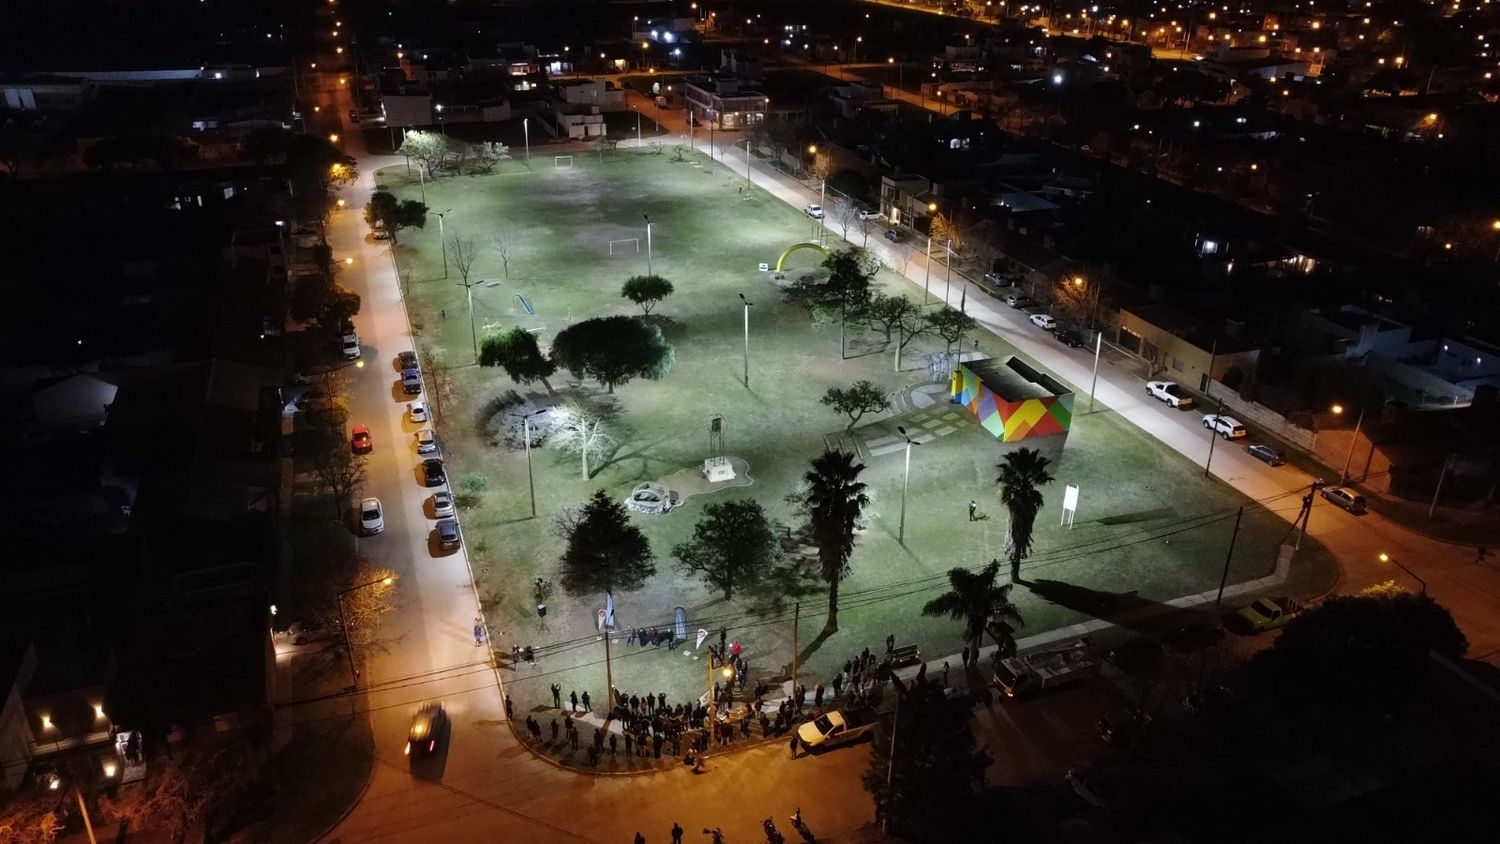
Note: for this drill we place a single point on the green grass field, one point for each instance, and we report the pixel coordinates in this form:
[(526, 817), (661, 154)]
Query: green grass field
[(1150, 526)]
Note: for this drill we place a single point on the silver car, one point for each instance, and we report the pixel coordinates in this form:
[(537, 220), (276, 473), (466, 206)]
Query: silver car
[(442, 505), (426, 441)]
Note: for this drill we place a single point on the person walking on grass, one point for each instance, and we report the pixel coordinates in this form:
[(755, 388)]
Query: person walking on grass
[(556, 696), (573, 699), (586, 705), (973, 507)]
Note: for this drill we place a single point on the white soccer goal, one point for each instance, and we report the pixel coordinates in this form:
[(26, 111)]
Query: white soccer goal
[(562, 162), (634, 241)]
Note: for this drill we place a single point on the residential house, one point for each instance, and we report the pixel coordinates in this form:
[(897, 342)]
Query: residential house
[(1421, 369), (1183, 347), (723, 101)]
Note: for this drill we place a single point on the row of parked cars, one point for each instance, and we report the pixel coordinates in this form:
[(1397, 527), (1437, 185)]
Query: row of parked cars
[(361, 441)]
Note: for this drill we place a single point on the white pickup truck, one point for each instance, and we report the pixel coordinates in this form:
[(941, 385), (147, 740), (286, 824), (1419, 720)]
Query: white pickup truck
[(836, 728), (1019, 676)]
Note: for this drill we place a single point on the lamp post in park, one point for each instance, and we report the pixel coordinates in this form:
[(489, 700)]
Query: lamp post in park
[(905, 482), (526, 133), (748, 306), (526, 432), (647, 218), (442, 238)]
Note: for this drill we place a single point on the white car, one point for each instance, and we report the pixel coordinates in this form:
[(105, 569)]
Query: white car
[(1044, 321), (426, 441), (871, 215), (350, 346), (371, 519), (417, 411), (814, 211), (1170, 393), (442, 505), (1227, 427)]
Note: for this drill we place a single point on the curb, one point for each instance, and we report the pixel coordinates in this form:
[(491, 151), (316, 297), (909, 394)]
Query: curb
[(358, 798)]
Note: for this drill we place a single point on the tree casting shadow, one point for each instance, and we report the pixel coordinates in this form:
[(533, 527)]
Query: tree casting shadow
[(1126, 609)]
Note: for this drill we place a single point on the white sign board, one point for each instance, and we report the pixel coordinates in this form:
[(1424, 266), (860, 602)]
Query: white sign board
[(1070, 505)]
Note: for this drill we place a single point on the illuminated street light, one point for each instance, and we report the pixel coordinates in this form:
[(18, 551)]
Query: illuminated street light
[(1385, 558)]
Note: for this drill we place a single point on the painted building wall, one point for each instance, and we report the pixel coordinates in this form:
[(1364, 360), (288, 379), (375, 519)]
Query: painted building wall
[(1011, 421)]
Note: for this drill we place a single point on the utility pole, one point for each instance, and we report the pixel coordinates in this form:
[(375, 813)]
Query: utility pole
[(796, 621), (609, 674), (1213, 434), (890, 768), (1098, 345), (1229, 556), (1432, 508)]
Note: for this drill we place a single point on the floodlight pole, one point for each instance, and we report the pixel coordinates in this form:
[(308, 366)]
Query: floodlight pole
[(927, 271), (906, 482), (1098, 345), (443, 240), (748, 306), (647, 218), (526, 132), (747, 161), (526, 432)]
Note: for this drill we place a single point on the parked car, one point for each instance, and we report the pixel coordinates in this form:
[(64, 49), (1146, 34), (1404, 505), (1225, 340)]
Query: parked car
[(1170, 393), (442, 504), (417, 411), (1227, 427), (1071, 337), (1345, 498), (1263, 452), (360, 441), (432, 472), (426, 728), (996, 280), (893, 235), (1044, 321), (1267, 614), (1019, 300), (426, 441), (814, 210), (350, 346), (371, 519), (411, 382), (380, 234), (447, 534), (406, 360), (870, 215)]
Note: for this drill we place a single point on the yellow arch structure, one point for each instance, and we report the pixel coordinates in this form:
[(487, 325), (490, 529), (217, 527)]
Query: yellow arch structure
[(793, 248)]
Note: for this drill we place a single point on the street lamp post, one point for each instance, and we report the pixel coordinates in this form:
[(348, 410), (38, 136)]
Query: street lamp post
[(344, 624), (1098, 345), (747, 162), (1213, 434), (748, 306), (948, 270), (1349, 456), (1386, 558), (905, 482), (443, 127), (526, 432), (442, 239), (713, 704), (647, 218), (927, 271), (637, 126), (526, 133)]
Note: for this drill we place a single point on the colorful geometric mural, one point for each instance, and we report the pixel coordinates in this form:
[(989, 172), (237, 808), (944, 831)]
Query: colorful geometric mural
[(1011, 400)]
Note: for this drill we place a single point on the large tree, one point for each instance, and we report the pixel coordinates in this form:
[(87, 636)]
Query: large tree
[(183, 791), (430, 149), (584, 428), (732, 546), (614, 350), (888, 313), (605, 551), (1078, 299), (950, 325), (833, 501), (646, 291), (1356, 661), (330, 305), (516, 351), (859, 398), (1022, 472), (385, 211), (845, 290), (925, 766), (981, 604)]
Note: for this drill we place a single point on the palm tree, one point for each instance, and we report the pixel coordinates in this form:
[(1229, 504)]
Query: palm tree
[(834, 500), (982, 605), (1021, 472)]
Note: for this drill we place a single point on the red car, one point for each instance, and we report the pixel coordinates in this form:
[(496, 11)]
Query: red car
[(360, 441)]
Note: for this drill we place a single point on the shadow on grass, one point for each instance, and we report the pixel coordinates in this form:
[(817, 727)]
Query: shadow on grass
[(1127, 609), (1138, 516)]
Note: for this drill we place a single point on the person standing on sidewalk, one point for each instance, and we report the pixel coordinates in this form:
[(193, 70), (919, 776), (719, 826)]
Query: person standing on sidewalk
[(478, 632), (573, 699), (556, 696), (510, 709), (964, 656), (792, 745), (676, 833)]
